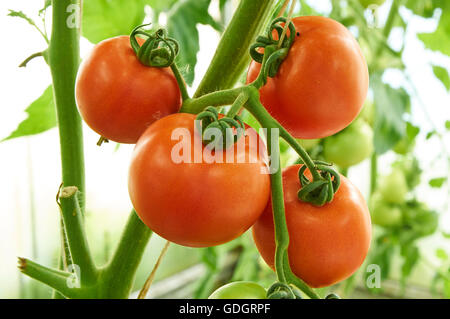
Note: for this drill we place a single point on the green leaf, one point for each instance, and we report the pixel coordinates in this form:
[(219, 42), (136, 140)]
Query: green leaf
[(439, 40), (447, 125), (411, 131), (424, 8), (41, 116), (390, 104), (182, 22), (437, 182), (411, 257), (160, 5), (20, 14), (441, 254), (430, 134), (210, 257), (442, 74), (104, 19)]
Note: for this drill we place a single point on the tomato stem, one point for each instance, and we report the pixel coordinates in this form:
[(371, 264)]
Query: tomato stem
[(180, 81), (237, 104)]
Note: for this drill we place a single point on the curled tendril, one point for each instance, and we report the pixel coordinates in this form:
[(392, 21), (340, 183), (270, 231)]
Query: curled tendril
[(158, 50), (321, 191), (332, 296), (268, 39), (281, 290), (209, 119)]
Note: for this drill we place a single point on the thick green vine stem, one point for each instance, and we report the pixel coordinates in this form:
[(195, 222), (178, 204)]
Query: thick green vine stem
[(219, 133), (248, 20)]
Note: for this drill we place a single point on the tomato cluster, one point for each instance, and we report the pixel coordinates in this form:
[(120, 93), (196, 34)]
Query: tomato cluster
[(319, 90)]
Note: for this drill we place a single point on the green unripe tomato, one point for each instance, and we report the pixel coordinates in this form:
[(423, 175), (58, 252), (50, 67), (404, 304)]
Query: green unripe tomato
[(383, 213), (239, 290), (394, 187), (308, 144), (367, 3), (351, 146), (367, 113), (411, 169)]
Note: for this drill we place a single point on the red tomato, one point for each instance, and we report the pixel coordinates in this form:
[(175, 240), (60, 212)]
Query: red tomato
[(328, 243), (321, 85), (118, 96), (196, 204)]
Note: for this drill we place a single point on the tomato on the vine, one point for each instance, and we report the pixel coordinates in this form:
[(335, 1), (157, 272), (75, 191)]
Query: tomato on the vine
[(327, 244), (194, 202), (321, 85), (118, 96), (239, 290), (351, 146), (383, 213), (393, 187), (308, 144)]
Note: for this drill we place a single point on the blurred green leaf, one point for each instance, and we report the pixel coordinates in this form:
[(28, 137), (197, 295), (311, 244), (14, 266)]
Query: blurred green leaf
[(160, 5), (424, 8), (182, 22), (442, 74), (390, 104), (437, 182), (447, 125), (104, 19), (41, 116), (411, 257), (441, 254), (430, 134), (210, 257), (439, 40)]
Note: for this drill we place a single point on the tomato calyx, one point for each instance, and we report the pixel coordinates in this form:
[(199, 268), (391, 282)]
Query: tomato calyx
[(280, 290), (275, 50), (219, 133), (158, 50), (321, 189)]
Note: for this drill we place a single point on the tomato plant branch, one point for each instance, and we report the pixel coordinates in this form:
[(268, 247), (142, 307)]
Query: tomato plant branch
[(64, 59), (247, 21), (237, 104), (284, 273), (53, 278), (76, 236)]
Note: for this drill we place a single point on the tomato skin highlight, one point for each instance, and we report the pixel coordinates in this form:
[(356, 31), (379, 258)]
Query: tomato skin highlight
[(321, 85), (196, 204), (119, 97), (239, 290), (328, 243)]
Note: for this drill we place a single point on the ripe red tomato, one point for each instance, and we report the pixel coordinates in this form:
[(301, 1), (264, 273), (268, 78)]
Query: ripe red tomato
[(196, 204), (321, 85), (328, 243), (118, 96)]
